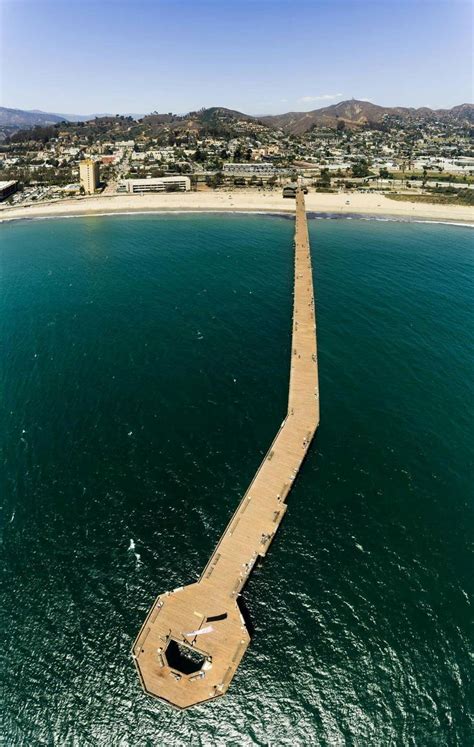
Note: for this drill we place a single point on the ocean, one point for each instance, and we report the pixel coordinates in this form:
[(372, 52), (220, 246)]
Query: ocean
[(144, 373)]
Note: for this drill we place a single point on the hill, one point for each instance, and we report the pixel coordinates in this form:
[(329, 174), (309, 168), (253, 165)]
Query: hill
[(216, 120), (354, 114), (20, 118)]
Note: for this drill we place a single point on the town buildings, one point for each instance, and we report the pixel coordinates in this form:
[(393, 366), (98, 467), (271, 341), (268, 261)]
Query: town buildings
[(179, 154)]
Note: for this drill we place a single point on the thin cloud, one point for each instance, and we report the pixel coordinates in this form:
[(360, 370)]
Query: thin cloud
[(323, 97)]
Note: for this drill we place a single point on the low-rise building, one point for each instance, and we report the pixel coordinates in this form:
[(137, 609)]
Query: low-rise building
[(158, 184), (257, 169), (289, 190), (7, 189)]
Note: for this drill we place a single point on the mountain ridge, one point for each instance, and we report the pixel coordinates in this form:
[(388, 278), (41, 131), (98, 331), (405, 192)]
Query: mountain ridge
[(352, 113), (355, 113)]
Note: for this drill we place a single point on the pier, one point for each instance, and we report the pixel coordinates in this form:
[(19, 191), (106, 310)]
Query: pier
[(194, 637)]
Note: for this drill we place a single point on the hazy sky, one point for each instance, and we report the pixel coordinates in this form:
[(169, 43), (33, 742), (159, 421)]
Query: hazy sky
[(258, 56)]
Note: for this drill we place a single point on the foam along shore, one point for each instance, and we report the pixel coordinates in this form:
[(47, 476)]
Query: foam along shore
[(241, 200)]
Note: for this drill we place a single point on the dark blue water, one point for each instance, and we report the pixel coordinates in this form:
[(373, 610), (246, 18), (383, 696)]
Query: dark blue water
[(144, 372)]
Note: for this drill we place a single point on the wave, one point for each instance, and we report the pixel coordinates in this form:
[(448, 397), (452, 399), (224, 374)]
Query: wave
[(384, 218)]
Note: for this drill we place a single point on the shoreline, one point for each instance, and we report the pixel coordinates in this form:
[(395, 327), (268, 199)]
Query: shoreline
[(349, 205), (334, 215)]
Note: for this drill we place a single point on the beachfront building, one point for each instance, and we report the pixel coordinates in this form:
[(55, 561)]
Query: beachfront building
[(89, 175), (7, 189), (158, 184), (290, 190)]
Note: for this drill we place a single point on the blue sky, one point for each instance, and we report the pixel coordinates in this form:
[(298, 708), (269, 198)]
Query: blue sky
[(258, 56)]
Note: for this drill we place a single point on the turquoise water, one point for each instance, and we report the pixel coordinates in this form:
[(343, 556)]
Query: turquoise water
[(144, 373)]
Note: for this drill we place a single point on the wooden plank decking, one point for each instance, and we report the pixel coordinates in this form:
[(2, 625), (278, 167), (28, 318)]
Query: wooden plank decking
[(204, 619)]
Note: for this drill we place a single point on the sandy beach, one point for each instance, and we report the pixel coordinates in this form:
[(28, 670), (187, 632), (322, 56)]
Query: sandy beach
[(241, 200)]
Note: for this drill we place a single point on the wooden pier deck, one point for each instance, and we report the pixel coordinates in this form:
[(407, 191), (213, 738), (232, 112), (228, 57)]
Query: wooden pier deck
[(194, 637)]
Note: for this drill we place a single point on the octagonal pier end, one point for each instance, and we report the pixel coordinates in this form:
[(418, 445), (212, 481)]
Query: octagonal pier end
[(190, 645)]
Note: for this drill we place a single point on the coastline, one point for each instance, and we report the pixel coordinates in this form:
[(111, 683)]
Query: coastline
[(348, 204)]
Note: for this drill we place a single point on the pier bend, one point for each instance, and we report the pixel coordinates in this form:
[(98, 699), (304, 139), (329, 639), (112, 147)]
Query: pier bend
[(194, 637)]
